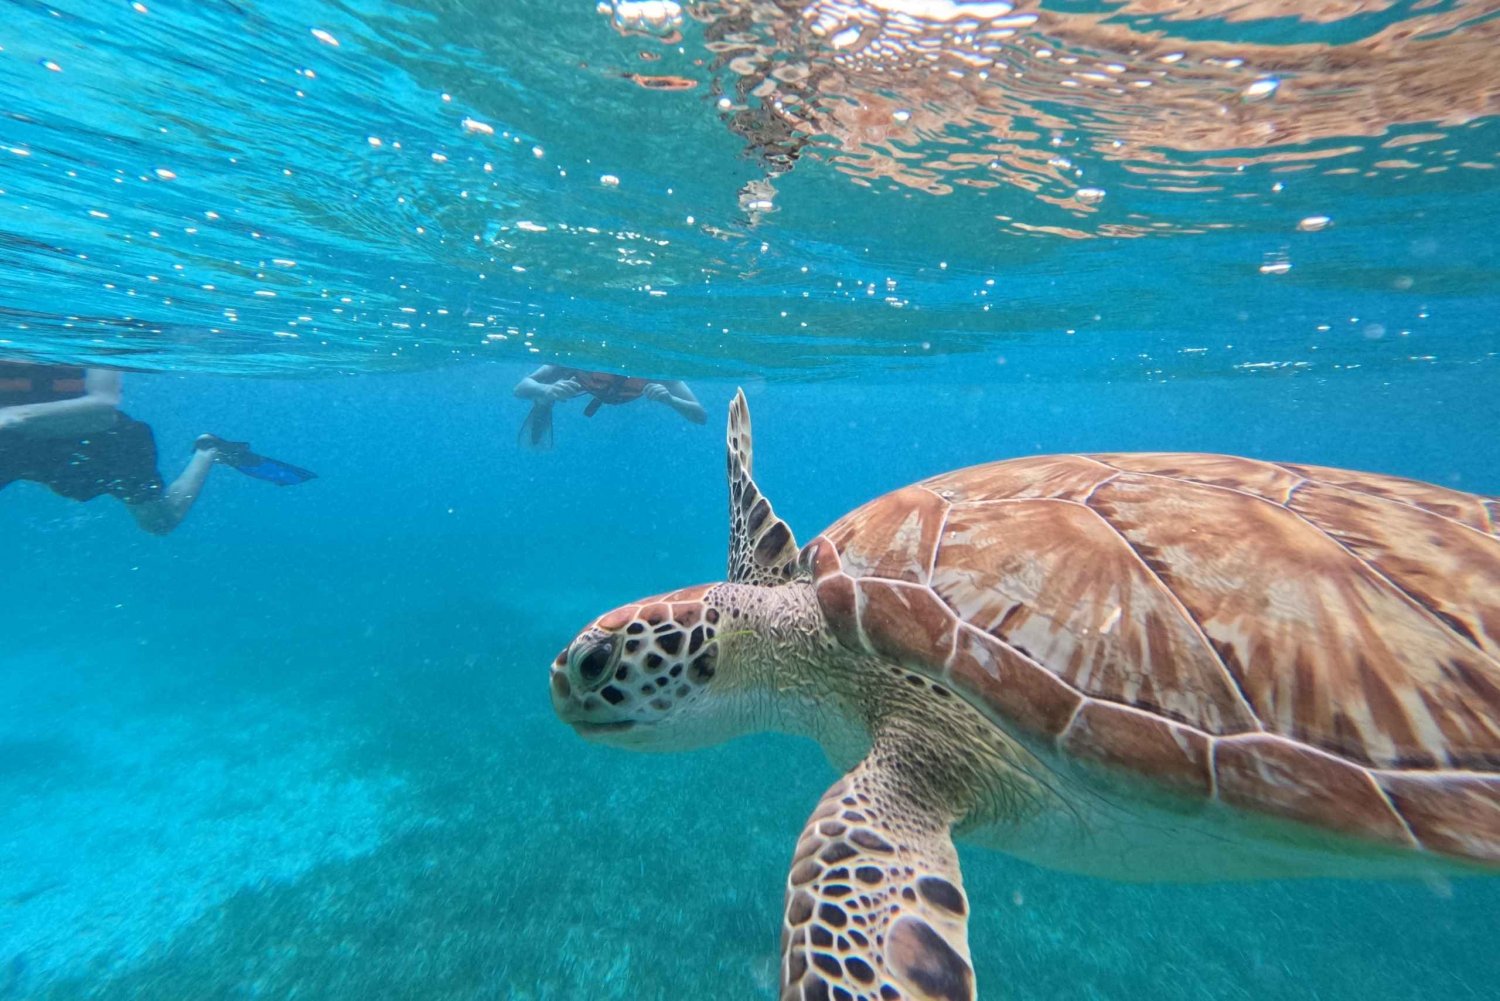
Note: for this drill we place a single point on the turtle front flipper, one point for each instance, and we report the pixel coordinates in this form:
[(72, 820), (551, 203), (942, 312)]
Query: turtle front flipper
[(875, 907), (762, 549)]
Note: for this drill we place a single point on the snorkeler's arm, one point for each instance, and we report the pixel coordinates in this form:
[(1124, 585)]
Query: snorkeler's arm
[(534, 386), (539, 384), (548, 384), (95, 410), (682, 400)]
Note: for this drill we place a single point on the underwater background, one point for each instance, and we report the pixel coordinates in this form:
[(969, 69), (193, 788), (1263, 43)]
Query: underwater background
[(302, 747)]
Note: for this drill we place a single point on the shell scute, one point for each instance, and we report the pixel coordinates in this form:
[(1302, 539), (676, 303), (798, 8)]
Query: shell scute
[(840, 605), (1446, 569), (1454, 814), (906, 624), (1054, 580), (893, 537), (820, 558), (1324, 648), (1263, 479), (1290, 780), (1176, 756), (1024, 692), (1058, 477), (1471, 510)]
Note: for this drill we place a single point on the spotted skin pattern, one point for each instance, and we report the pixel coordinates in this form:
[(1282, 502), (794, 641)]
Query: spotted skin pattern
[(875, 907), (637, 662), (762, 549)]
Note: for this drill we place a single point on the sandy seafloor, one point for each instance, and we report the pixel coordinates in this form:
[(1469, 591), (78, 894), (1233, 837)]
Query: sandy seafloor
[(302, 748)]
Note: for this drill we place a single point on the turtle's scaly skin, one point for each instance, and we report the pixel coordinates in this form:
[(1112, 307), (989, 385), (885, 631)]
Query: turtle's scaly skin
[(1141, 666)]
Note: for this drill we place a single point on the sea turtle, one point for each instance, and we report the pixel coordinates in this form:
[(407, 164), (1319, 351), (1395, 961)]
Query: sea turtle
[(1140, 666)]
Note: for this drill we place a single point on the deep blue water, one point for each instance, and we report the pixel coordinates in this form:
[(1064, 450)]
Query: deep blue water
[(302, 746)]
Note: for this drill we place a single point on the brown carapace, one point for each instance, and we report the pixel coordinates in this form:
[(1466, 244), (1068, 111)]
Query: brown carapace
[(1315, 644)]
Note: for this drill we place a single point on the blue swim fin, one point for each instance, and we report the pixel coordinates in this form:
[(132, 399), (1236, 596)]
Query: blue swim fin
[(536, 432), (237, 454)]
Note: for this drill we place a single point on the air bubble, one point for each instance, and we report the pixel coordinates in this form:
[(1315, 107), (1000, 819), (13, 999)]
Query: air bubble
[(845, 38), (1261, 89), (656, 15)]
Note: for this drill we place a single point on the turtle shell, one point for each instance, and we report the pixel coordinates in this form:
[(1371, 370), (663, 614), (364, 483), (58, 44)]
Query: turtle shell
[(1310, 643)]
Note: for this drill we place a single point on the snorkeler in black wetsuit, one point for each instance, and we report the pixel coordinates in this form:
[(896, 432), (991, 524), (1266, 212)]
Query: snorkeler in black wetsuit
[(551, 383), (61, 426)]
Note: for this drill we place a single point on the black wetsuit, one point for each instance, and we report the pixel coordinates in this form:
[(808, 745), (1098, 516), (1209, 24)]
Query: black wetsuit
[(119, 460)]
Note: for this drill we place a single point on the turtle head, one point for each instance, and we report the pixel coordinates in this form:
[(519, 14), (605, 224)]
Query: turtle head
[(664, 673), (643, 676)]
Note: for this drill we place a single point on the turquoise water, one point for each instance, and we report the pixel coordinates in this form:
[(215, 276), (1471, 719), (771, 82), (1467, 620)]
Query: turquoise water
[(302, 746)]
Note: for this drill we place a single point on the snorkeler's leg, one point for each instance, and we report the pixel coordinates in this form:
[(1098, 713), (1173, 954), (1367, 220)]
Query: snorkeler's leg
[(165, 511)]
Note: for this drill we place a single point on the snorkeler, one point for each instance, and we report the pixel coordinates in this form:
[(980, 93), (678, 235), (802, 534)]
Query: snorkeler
[(61, 426), (552, 383)]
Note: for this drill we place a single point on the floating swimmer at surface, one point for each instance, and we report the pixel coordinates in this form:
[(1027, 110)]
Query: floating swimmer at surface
[(552, 384), (61, 426)]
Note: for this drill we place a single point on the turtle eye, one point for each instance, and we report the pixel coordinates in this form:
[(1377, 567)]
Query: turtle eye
[(594, 662)]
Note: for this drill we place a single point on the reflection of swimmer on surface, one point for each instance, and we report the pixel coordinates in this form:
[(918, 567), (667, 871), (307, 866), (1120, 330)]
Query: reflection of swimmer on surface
[(552, 383), (61, 426), (1181, 93)]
